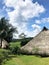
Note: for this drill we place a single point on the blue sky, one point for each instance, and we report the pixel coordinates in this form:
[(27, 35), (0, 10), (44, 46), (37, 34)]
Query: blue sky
[(29, 16)]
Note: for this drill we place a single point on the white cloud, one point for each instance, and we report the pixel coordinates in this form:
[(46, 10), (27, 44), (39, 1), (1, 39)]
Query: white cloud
[(27, 8), (32, 10), (38, 21), (34, 32), (36, 26), (43, 20), (37, 29), (23, 10)]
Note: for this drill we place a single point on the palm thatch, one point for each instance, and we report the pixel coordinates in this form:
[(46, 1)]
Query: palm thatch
[(5, 44), (38, 45)]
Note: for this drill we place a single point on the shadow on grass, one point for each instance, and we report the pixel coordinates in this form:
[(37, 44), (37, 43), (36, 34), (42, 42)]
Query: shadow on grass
[(37, 55), (9, 58)]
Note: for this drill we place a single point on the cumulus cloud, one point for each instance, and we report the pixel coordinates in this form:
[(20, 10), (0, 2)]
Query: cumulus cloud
[(37, 29), (36, 26), (43, 20), (23, 10), (34, 32), (27, 8), (38, 21)]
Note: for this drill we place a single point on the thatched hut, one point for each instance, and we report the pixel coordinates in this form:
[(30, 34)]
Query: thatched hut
[(5, 44), (38, 45)]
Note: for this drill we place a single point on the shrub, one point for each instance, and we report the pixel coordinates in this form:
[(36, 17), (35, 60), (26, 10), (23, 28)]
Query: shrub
[(14, 50), (1, 58), (25, 41), (3, 55), (15, 47)]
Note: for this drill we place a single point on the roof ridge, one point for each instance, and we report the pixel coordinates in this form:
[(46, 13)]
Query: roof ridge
[(45, 28)]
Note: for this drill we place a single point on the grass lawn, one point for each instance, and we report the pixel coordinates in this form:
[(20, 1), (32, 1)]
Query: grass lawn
[(14, 44), (27, 60)]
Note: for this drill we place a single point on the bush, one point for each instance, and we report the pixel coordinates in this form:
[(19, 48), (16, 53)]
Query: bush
[(15, 47), (14, 50), (1, 58), (25, 41), (3, 55)]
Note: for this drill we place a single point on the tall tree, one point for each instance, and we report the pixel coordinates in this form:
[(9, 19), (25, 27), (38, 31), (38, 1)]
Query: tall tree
[(6, 30), (10, 32)]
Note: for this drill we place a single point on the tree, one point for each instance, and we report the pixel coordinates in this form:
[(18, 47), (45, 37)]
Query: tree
[(10, 32), (6, 30), (3, 28), (22, 36), (2, 36)]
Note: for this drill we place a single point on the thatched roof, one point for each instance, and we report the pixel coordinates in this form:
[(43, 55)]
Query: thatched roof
[(38, 45), (44, 29), (5, 44)]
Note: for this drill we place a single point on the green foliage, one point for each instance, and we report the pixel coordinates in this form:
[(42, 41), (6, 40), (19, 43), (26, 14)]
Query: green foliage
[(3, 55), (25, 41), (13, 44), (6, 29), (15, 50), (15, 47), (22, 36), (1, 58)]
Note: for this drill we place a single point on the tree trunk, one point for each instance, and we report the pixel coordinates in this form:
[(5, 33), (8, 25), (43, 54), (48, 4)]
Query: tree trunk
[(1, 42)]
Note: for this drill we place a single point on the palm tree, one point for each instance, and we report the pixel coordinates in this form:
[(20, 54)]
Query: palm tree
[(10, 32), (2, 35), (6, 30), (3, 28)]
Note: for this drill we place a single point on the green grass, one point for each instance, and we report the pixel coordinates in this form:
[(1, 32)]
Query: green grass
[(27, 60), (14, 44)]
